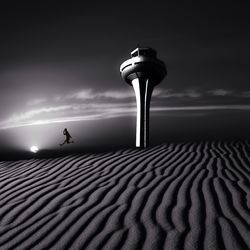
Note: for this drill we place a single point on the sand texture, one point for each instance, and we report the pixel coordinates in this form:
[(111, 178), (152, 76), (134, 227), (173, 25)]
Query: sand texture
[(172, 196)]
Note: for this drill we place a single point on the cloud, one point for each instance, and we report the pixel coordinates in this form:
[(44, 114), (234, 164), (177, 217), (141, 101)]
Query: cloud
[(36, 101), (111, 104), (87, 94), (194, 93), (220, 92), (72, 112), (202, 108), (113, 95), (117, 94), (245, 94), (81, 112), (35, 112), (29, 116), (83, 94), (169, 93)]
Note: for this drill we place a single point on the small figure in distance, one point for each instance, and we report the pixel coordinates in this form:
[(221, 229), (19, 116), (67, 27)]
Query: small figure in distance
[(68, 137)]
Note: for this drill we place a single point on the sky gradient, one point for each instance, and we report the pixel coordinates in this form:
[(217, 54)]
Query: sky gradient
[(59, 67)]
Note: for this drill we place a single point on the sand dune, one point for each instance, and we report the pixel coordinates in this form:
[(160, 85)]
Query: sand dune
[(172, 196)]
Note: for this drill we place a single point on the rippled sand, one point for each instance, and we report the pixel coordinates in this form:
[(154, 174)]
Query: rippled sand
[(172, 196)]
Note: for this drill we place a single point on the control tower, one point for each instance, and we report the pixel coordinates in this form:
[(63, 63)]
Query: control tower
[(143, 71)]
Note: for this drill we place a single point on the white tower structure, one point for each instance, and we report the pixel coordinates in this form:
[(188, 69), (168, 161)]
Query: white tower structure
[(143, 71)]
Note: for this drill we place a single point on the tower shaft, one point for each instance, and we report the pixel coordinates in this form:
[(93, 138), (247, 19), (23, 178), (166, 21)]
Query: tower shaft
[(143, 92)]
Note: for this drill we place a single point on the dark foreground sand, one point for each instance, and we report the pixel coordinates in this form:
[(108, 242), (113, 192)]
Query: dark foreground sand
[(173, 196)]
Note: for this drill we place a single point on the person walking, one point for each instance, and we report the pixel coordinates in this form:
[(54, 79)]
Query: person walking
[(68, 137)]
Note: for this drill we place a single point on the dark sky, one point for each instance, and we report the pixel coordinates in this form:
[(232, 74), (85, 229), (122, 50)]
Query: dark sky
[(59, 67)]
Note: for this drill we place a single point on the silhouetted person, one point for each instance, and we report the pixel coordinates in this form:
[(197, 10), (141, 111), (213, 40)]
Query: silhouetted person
[(68, 137)]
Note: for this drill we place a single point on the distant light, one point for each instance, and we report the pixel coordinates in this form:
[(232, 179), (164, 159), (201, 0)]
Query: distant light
[(34, 149)]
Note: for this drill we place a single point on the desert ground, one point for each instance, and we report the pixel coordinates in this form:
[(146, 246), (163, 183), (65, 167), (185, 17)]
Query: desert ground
[(171, 196)]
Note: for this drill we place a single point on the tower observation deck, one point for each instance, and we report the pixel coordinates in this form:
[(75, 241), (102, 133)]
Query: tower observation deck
[(143, 71)]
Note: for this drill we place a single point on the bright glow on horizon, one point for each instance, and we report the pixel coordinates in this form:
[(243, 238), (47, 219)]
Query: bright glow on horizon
[(34, 149)]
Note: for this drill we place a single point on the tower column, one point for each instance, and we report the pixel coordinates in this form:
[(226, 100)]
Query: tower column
[(143, 91)]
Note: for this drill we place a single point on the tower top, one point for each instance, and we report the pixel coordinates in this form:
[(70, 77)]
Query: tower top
[(143, 64), (149, 52)]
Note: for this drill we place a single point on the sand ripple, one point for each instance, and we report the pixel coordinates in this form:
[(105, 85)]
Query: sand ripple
[(172, 196)]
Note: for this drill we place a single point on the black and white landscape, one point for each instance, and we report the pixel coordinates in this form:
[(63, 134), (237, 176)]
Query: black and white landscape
[(91, 188)]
